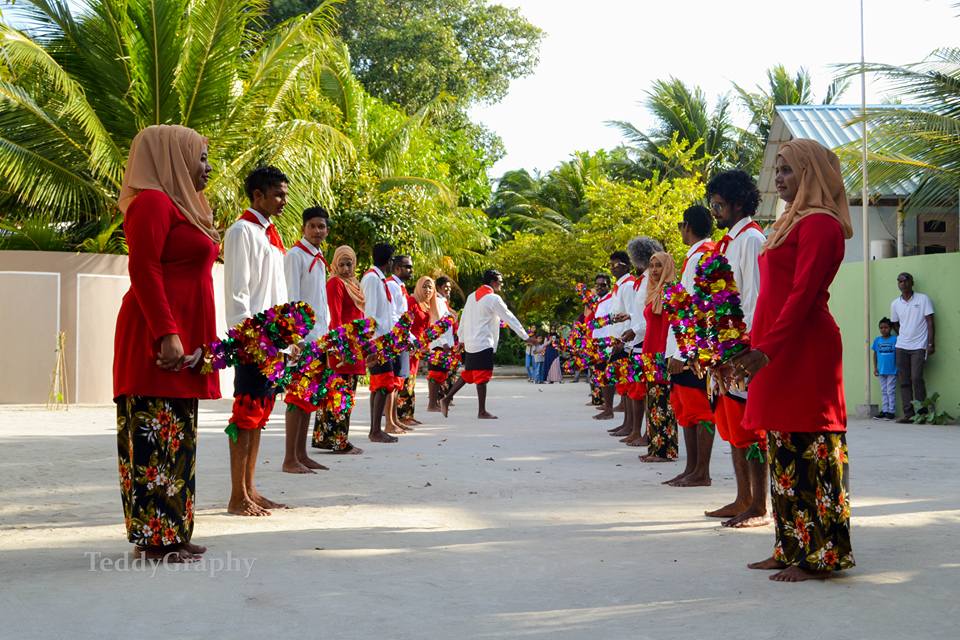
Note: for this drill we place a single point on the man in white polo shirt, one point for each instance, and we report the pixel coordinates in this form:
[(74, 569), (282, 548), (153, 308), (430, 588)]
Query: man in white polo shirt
[(912, 316)]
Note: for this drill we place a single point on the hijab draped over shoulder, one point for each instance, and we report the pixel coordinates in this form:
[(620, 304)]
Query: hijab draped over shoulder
[(427, 302), (351, 283), (820, 189), (667, 275), (167, 158)]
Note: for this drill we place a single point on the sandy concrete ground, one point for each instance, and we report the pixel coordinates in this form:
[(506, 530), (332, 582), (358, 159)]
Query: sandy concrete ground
[(536, 525)]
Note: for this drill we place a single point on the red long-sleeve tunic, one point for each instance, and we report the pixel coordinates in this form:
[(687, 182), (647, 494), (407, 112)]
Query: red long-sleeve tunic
[(801, 390), (342, 310), (171, 292)]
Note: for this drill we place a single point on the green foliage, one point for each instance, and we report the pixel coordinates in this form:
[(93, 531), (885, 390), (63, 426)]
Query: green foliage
[(409, 52), (925, 411), (510, 350), (542, 267)]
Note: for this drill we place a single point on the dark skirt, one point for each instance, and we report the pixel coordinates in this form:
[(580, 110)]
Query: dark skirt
[(331, 432), (811, 506), (157, 445), (662, 422)]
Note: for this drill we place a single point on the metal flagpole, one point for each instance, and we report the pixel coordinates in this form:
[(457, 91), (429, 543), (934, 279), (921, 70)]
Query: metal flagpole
[(868, 382)]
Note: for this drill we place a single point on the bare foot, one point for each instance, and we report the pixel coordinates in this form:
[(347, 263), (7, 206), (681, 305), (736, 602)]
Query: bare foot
[(195, 549), (393, 428), (605, 415), (351, 450), (636, 442), (767, 565), (749, 518), (412, 422), (694, 481), (381, 437), (172, 555), (797, 574), (619, 430), (728, 511), (295, 467), (246, 507), (406, 426), (675, 479), (434, 409), (444, 407), (266, 503), (312, 464), (649, 458), (486, 415)]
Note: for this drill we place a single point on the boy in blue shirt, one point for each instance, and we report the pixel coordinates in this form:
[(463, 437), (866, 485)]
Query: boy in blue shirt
[(885, 368)]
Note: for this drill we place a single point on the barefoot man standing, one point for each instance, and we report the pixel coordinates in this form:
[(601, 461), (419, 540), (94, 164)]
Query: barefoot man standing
[(480, 333), (253, 282)]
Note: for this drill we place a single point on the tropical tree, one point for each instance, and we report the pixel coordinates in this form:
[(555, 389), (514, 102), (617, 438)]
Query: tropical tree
[(683, 112), (782, 89), (919, 141)]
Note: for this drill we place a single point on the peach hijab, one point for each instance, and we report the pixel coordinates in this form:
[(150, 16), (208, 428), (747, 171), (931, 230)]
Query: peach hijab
[(167, 158), (352, 284), (667, 275), (820, 190)]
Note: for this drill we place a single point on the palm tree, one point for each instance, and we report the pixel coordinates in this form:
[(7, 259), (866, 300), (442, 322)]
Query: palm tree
[(782, 89), (82, 78), (683, 113), (919, 142)]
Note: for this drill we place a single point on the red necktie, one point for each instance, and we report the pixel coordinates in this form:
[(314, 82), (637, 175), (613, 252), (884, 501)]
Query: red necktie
[(271, 230), (318, 257)]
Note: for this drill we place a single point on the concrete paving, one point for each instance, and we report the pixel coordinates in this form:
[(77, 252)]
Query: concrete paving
[(535, 525)]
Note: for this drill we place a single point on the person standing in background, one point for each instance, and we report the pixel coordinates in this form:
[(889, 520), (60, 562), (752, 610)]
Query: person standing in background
[(912, 316)]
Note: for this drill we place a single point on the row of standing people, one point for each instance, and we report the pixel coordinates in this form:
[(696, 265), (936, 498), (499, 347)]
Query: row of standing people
[(169, 311), (789, 426)]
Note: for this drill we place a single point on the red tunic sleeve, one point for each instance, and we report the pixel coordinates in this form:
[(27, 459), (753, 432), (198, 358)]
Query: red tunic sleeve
[(335, 294), (820, 243), (146, 225)]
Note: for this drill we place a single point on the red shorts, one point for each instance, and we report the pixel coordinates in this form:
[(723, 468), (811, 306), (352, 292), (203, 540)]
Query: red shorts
[(299, 403), (386, 381), (251, 413), (476, 376), (437, 376), (690, 405), (729, 416), (637, 390), (622, 387)]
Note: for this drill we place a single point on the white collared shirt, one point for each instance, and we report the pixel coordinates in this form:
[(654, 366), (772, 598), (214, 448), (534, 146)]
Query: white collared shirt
[(743, 254), (694, 254), (912, 315), (480, 322), (623, 294), (306, 285), (252, 270), (637, 304), (399, 293), (605, 307), (445, 340), (376, 305)]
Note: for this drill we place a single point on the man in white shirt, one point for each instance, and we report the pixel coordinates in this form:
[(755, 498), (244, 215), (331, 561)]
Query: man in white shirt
[(403, 398), (606, 303), (378, 305), (437, 375), (639, 250), (480, 333), (912, 316), (306, 276), (734, 199), (253, 282), (623, 293), (688, 395)]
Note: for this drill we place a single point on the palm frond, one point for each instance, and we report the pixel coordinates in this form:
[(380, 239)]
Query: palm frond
[(156, 46)]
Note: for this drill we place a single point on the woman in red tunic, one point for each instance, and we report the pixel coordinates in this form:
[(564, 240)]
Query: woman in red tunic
[(345, 302), (423, 308), (169, 310), (661, 423), (796, 386)]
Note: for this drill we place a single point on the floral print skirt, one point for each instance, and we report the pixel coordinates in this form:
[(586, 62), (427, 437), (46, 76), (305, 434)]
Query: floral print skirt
[(662, 423), (330, 432), (157, 445), (811, 505), (407, 398)]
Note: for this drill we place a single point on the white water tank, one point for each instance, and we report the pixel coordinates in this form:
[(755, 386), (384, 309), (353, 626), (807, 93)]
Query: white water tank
[(880, 249)]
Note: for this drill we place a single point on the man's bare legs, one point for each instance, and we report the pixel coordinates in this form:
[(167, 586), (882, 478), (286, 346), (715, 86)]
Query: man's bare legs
[(744, 498), (627, 425), (447, 399), (378, 401), (433, 392), (755, 515), (295, 459), (265, 503), (482, 412), (690, 444), (699, 476), (241, 503), (607, 412)]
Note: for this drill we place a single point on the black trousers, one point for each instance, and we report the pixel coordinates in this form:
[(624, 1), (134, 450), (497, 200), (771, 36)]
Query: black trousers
[(910, 376)]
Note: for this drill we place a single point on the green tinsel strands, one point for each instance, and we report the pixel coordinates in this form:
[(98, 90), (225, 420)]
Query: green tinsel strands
[(755, 453), (233, 431)]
